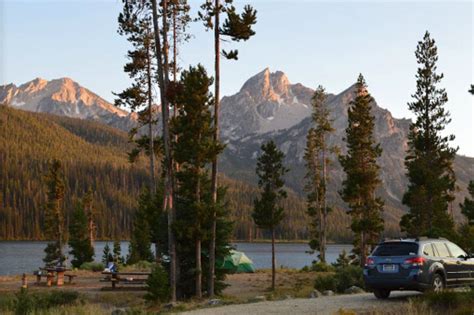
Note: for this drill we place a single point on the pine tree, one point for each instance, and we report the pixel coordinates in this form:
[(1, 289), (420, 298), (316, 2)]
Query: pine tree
[(54, 215), (317, 160), (472, 89), (117, 252), (429, 159), (136, 25), (161, 54), (466, 232), (194, 148), (362, 173), (268, 212), (140, 241), (237, 27), (79, 241), (107, 254)]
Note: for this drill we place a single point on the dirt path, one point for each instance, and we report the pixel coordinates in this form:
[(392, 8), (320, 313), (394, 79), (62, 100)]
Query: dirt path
[(328, 305)]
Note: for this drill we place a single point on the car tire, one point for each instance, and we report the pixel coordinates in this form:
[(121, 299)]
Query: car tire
[(382, 293), (437, 283)]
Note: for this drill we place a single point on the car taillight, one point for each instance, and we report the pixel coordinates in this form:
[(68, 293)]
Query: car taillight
[(370, 263), (414, 262)]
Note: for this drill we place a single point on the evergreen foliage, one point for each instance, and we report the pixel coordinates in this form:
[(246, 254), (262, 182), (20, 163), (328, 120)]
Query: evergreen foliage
[(472, 89), (317, 161), (362, 173), (429, 159), (158, 290), (79, 240), (54, 215), (94, 159), (107, 254), (117, 252), (140, 241), (466, 231), (194, 148), (136, 25), (268, 212)]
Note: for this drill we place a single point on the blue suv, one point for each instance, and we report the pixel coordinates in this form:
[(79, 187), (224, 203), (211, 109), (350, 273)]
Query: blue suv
[(417, 264)]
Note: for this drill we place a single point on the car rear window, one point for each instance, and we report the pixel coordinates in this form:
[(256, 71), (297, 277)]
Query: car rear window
[(396, 249)]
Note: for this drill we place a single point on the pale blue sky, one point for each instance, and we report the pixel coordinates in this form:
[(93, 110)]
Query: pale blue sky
[(314, 42)]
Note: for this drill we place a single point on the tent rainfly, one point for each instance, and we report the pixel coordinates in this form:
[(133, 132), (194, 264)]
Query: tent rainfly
[(238, 262)]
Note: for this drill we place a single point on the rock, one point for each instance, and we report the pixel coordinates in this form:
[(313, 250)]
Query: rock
[(328, 293), (315, 294), (259, 298), (288, 297), (170, 305), (119, 311), (215, 302), (354, 290)]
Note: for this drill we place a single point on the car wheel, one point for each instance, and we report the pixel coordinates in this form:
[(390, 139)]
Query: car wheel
[(382, 293), (437, 284)]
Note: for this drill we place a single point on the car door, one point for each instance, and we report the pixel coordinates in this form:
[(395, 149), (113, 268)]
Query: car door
[(450, 264), (465, 265)]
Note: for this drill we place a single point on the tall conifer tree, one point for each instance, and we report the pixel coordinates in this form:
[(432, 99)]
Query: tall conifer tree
[(79, 241), (429, 159), (194, 149), (54, 215), (317, 161), (268, 212), (135, 23), (236, 27), (362, 173)]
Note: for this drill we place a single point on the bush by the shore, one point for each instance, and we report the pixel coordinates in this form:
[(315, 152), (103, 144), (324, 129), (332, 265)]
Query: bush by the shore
[(92, 266), (342, 279)]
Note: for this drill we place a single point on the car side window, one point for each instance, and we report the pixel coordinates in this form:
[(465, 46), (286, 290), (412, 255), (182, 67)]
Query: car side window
[(442, 250), (428, 250), (456, 251)]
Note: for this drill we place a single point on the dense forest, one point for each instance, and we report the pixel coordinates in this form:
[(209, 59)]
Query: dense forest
[(94, 157)]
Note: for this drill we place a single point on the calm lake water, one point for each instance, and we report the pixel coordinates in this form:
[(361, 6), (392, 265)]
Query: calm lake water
[(20, 257)]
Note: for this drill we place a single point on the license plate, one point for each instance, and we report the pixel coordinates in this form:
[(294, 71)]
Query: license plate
[(389, 268)]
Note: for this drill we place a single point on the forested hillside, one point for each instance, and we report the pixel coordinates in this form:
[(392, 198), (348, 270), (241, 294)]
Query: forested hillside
[(94, 156)]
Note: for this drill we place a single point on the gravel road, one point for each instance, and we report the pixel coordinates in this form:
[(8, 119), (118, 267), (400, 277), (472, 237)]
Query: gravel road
[(326, 305)]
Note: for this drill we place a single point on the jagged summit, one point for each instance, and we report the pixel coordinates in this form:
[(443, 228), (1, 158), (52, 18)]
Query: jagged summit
[(66, 97), (266, 102)]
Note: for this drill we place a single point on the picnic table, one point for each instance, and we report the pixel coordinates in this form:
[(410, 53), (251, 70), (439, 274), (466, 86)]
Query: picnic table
[(132, 278), (50, 272)]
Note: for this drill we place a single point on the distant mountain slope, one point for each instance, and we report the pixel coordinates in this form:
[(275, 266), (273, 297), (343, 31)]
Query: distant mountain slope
[(94, 156), (239, 159), (67, 98)]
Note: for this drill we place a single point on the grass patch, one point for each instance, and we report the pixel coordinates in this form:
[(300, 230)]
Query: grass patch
[(449, 302)]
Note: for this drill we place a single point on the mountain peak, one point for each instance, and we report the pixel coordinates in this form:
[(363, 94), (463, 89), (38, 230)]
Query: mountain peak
[(267, 85)]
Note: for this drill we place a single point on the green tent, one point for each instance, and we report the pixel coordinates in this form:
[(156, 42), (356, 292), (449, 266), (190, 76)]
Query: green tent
[(238, 262)]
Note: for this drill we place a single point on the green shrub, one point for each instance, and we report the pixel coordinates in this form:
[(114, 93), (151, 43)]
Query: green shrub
[(349, 276), (157, 285), (7, 302), (321, 267), (342, 279), (325, 282), (92, 266), (58, 298), (449, 299), (24, 303)]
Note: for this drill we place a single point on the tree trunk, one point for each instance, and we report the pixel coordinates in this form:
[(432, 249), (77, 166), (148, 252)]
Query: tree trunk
[(363, 255), (273, 260), (198, 240), (212, 246), (150, 124), (169, 186), (322, 251)]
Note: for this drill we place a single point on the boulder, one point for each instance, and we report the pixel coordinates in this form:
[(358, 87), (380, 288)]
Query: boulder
[(328, 293), (354, 290), (315, 294)]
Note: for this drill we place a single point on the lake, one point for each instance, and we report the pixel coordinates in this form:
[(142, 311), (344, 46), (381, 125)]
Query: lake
[(18, 257)]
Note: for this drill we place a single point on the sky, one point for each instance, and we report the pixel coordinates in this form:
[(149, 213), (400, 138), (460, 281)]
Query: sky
[(313, 42)]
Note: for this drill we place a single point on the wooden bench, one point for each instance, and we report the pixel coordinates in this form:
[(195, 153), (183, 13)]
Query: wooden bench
[(118, 278), (70, 278)]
